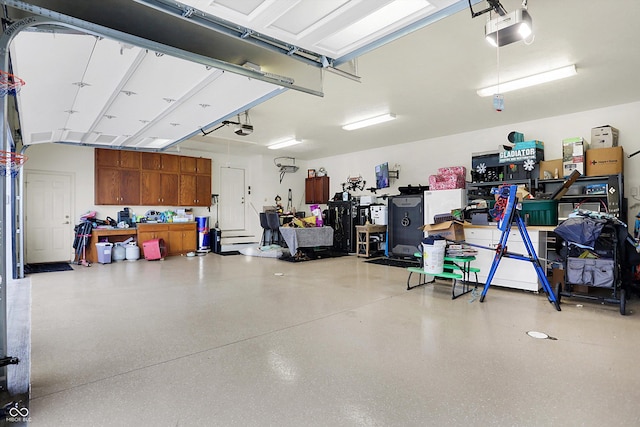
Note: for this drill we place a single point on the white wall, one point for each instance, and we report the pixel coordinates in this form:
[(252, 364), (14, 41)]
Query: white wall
[(417, 161), (420, 159)]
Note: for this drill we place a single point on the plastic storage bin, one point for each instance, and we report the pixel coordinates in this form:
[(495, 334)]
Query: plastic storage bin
[(540, 212), (104, 252)]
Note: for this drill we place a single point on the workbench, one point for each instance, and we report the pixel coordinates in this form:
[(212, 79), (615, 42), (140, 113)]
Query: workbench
[(113, 235)]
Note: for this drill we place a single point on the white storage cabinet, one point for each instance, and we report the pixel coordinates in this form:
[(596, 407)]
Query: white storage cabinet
[(511, 273)]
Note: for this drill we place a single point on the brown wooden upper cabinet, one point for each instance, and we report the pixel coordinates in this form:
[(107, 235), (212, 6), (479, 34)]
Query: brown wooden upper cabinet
[(161, 162), (115, 186), (195, 190), (195, 181), (117, 158), (141, 178), (159, 188), (159, 179), (195, 165), (316, 190)]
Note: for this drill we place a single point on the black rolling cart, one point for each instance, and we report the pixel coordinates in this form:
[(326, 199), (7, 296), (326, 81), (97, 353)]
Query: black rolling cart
[(591, 257)]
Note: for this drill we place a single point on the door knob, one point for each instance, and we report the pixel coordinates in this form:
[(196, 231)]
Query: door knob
[(66, 222)]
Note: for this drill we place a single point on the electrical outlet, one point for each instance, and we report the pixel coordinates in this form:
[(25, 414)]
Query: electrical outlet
[(634, 191)]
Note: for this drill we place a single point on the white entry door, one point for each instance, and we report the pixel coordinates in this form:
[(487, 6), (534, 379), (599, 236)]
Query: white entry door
[(231, 203), (49, 228)]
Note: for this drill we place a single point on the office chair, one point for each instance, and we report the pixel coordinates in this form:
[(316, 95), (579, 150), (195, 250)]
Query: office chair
[(266, 230), (274, 225)]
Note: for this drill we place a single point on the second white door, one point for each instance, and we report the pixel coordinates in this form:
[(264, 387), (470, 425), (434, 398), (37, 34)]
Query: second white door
[(231, 206)]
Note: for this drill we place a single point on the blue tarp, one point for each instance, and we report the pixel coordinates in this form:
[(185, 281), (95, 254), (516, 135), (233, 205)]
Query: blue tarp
[(580, 230)]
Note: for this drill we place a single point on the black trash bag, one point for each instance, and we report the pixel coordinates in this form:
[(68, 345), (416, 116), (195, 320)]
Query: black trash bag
[(580, 230)]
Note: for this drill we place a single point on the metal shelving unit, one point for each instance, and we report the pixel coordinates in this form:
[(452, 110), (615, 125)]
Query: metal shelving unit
[(612, 199), (483, 188)]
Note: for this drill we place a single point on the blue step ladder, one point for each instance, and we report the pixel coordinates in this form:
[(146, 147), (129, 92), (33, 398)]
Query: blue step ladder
[(511, 214)]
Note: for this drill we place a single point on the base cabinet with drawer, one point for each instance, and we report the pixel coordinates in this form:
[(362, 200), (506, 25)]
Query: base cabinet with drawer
[(179, 238), (182, 239), (511, 273)]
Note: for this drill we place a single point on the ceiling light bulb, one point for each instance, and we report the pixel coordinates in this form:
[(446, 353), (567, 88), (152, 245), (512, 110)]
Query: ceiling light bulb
[(369, 122), (524, 30), (283, 144), (536, 79)]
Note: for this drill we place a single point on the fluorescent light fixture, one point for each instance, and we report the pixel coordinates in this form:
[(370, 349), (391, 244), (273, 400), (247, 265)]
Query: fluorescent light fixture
[(536, 79), (283, 144), (369, 122)]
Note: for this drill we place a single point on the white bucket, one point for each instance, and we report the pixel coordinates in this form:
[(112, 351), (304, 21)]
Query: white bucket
[(433, 256)]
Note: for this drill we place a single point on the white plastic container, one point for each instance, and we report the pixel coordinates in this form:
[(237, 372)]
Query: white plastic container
[(433, 255), (104, 252), (132, 252), (119, 252)]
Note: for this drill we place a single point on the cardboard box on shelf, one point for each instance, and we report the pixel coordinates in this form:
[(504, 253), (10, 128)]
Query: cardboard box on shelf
[(573, 152), (605, 161), (552, 167), (569, 167), (450, 230), (604, 137)]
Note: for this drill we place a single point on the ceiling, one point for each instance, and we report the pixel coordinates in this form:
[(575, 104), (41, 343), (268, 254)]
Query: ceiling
[(337, 29), (428, 78)]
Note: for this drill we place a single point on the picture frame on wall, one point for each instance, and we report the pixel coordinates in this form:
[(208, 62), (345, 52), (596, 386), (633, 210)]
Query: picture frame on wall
[(311, 173)]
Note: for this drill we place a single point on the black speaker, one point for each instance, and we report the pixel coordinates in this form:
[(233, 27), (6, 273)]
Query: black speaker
[(405, 218)]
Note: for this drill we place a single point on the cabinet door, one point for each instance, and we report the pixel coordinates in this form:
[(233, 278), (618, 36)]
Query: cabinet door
[(169, 185), (203, 190), (309, 191), (514, 273), (144, 236), (188, 186), (188, 164), (170, 163), (481, 237), (130, 159), (316, 189), (130, 187), (174, 244), (107, 186), (150, 188), (322, 189), (151, 161), (108, 158), (203, 166), (189, 240), (158, 188), (182, 239)]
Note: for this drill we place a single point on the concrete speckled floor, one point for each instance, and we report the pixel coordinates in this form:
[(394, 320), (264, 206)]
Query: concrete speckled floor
[(224, 340)]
